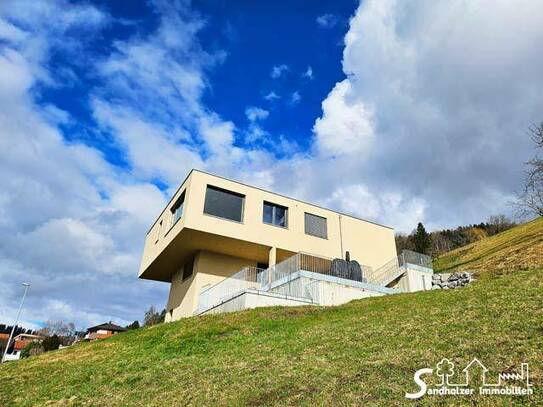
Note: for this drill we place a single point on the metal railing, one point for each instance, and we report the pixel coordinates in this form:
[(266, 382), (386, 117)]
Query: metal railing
[(280, 279), (395, 267), (283, 278), (246, 278), (316, 264), (419, 259), (384, 274), (301, 261)]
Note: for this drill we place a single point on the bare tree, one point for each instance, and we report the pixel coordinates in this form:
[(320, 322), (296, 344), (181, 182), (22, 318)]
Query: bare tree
[(404, 242), (59, 328), (440, 243), (498, 223), (530, 199), (537, 135), (153, 317)]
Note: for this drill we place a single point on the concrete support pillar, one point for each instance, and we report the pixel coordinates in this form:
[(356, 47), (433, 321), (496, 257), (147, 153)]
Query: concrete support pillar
[(272, 258)]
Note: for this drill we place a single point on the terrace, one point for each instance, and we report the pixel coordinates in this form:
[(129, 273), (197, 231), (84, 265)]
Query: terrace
[(308, 279)]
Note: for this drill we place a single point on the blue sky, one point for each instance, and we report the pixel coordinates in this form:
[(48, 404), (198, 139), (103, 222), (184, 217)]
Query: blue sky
[(259, 36), (393, 111), (247, 40)]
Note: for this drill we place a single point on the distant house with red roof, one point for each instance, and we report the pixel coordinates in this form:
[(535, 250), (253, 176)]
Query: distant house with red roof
[(103, 331), (19, 343)]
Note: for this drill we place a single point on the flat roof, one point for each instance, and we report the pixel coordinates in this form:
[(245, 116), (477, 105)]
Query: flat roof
[(261, 189)]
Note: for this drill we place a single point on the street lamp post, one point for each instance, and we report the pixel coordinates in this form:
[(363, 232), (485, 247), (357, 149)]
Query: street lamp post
[(25, 285)]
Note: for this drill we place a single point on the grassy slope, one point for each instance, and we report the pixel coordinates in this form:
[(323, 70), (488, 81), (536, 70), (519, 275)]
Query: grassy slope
[(520, 248), (362, 353)]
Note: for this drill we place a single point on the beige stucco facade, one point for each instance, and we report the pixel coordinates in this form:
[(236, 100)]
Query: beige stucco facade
[(219, 247)]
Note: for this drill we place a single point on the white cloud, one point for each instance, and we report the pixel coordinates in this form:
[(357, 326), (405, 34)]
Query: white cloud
[(327, 20), (167, 69), (390, 208), (254, 113), (295, 98), (288, 146), (345, 127), (153, 151), (255, 133), (272, 96), (278, 71), (11, 33), (437, 98), (308, 73), (218, 134)]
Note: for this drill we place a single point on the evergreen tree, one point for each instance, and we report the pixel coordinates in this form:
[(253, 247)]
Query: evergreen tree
[(422, 239), (51, 343), (133, 325)]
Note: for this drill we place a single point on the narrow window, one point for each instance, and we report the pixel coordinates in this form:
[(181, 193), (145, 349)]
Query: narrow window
[(316, 226), (177, 209), (275, 214), (224, 204)]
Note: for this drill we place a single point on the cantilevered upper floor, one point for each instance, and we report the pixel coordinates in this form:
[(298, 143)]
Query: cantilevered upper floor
[(214, 214)]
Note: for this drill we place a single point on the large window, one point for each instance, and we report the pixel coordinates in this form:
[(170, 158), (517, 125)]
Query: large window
[(224, 204), (177, 209), (316, 226), (275, 214)]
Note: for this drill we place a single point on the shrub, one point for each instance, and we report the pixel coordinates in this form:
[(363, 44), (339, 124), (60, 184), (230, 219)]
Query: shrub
[(32, 349), (51, 343)]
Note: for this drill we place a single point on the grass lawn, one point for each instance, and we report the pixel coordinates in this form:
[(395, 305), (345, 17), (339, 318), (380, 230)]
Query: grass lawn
[(362, 353), (519, 248)]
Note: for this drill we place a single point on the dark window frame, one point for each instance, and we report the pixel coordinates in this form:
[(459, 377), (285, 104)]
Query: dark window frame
[(307, 232), (274, 207), (229, 192)]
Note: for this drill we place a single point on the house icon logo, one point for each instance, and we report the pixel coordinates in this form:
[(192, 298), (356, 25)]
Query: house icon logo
[(473, 369), (474, 378)]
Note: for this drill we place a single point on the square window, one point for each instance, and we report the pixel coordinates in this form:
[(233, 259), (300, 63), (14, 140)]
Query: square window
[(275, 214), (316, 226)]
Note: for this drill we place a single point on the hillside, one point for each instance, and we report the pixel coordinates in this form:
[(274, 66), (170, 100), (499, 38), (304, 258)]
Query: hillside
[(362, 353), (519, 248)]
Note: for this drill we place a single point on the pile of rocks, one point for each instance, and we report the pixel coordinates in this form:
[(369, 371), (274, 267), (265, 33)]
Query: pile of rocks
[(448, 281)]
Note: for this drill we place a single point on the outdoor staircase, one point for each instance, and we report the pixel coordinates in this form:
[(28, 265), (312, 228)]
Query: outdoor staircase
[(387, 273), (397, 267)]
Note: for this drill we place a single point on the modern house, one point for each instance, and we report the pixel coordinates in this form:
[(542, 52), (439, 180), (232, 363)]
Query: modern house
[(224, 245), (103, 331)]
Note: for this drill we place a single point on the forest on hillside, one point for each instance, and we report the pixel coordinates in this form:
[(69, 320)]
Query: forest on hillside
[(442, 241)]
